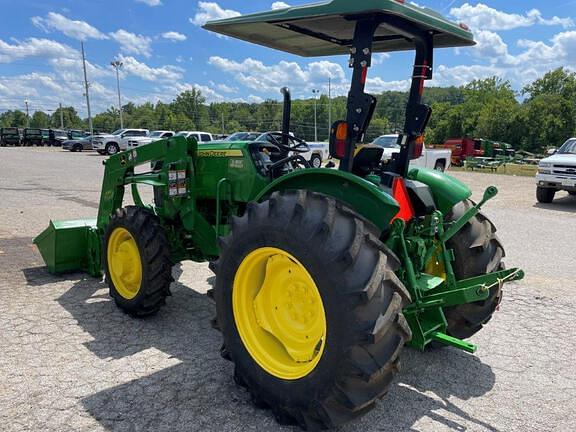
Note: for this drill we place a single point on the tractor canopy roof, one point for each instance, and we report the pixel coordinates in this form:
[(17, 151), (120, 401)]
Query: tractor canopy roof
[(327, 28)]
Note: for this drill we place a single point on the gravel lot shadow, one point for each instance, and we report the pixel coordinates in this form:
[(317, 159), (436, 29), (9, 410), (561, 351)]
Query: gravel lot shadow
[(199, 393), (564, 204)]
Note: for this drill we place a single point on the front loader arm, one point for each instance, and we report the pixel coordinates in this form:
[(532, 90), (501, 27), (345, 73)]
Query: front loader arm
[(178, 157)]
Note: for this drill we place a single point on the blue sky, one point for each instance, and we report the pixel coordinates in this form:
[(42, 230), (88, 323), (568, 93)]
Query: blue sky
[(165, 51)]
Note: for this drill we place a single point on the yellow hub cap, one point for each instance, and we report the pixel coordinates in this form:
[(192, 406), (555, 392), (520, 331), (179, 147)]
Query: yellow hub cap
[(124, 263), (279, 313)]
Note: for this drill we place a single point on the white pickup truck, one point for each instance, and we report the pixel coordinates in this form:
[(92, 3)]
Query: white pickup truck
[(557, 172), (135, 142), (110, 144), (435, 159)]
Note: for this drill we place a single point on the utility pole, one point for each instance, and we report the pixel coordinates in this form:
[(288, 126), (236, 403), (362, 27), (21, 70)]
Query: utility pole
[(315, 92), (223, 128), (329, 107), (86, 90), (117, 64), (27, 113), (61, 117)]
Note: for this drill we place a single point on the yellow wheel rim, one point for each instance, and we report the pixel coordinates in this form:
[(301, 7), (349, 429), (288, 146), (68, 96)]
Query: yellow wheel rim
[(279, 313), (124, 264)]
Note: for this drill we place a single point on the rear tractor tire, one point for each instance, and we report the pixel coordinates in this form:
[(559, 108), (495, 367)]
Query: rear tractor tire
[(477, 251), (137, 261), (310, 309)]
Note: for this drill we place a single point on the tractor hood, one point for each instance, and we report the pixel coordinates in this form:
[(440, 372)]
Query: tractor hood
[(327, 28)]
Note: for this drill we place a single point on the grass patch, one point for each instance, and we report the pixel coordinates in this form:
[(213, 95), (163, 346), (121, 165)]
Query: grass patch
[(508, 169)]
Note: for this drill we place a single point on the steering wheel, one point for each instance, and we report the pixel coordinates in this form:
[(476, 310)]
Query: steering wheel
[(301, 146)]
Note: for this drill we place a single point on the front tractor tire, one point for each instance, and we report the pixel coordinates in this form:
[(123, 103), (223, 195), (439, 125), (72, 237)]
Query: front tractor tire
[(477, 251), (310, 309), (137, 261)]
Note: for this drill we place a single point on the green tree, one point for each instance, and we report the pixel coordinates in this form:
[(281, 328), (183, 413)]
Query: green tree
[(549, 120), (40, 120), (14, 118), (557, 82)]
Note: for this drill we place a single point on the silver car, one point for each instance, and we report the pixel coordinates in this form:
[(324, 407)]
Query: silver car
[(78, 145)]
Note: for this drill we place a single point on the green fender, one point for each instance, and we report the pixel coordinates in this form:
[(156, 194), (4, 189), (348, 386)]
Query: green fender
[(446, 190), (364, 197)]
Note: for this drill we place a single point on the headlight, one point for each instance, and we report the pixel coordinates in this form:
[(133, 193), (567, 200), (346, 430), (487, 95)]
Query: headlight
[(544, 168)]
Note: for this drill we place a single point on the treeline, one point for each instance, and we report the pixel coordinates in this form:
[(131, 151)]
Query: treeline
[(542, 114)]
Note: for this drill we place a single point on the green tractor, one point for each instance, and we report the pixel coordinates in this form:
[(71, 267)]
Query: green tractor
[(322, 275)]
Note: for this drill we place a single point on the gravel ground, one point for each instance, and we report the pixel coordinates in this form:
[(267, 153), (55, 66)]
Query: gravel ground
[(69, 360)]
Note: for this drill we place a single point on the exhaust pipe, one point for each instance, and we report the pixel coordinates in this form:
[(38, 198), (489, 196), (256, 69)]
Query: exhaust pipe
[(286, 115)]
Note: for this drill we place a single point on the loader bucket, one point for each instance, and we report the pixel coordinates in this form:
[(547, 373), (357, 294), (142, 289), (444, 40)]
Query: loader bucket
[(71, 245)]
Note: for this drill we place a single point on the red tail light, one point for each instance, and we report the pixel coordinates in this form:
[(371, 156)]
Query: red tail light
[(418, 147), (338, 138), (400, 194)]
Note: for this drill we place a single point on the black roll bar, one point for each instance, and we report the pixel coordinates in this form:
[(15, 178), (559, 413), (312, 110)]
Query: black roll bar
[(360, 105)]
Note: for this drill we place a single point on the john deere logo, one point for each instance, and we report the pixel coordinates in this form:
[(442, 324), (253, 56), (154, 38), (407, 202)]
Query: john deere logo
[(219, 153)]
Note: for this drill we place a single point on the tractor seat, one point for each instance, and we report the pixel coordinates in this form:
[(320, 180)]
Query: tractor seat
[(366, 159)]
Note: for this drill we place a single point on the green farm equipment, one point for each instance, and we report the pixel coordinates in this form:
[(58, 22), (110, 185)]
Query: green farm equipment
[(322, 275)]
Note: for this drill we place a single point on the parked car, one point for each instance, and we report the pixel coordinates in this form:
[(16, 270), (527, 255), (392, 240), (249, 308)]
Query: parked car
[(78, 144), (77, 134), (243, 136), (9, 137), (57, 137), (32, 136), (153, 136), (116, 141), (557, 172), (436, 159), (319, 153), (200, 136)]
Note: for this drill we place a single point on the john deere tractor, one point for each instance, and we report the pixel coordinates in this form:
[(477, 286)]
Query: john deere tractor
[(322, 275)]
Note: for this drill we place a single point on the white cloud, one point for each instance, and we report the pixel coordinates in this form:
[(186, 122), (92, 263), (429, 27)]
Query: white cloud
[(174, 36), (463, 74), (80, 30), (255, 99), (150, 2), (262, 78), (141, 70), (379, 58), (224, 87), (483, 17), (210, 94), (71, 69), (132, 43), (280, 5), (34, 47), (208, 11), (378, 85), (46, 91), (491, 47), (539, 57)]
